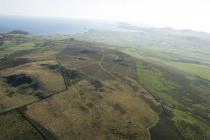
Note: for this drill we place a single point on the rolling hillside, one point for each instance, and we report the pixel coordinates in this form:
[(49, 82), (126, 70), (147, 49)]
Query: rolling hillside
[(105, 85), (72, 90)]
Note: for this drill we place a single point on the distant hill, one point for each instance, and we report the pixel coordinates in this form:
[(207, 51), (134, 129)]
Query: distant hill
[(19, 32)]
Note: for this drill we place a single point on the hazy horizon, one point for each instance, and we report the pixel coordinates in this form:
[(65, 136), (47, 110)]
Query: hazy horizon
[(185, 14)]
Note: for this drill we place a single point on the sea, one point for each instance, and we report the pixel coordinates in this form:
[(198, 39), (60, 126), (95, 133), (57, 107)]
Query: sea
[(53, 26)]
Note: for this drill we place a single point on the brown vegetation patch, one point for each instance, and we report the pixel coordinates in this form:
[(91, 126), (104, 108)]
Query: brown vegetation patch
[(12, 62)]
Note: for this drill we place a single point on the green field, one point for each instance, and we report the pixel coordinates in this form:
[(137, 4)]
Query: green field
[(194, 69)]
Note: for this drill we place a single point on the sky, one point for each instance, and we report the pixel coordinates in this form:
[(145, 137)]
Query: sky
[(179, 14)]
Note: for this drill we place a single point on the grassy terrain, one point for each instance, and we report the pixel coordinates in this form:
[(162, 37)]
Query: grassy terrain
[(91, 89), (154, 80), (194, 69), (13, 126), (157, 88), (83, 113), (191, 126), (97, 104), (13, 43), (45, 81), (31, 61), (176, 91), (174, 67)]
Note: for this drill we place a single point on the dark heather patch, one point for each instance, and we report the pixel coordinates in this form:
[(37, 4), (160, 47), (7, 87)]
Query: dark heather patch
[(50, 66), (88, 51), (96, 83), (20, 53), (17, 80), (119, 108), (100, 97), (72, 74), (165, 128), (82, 108), (10, 94), (102, 90), (39, 95), (125, 133), (12, 62), (44, 65), (35, 86), (90, 105), (54, 66)]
